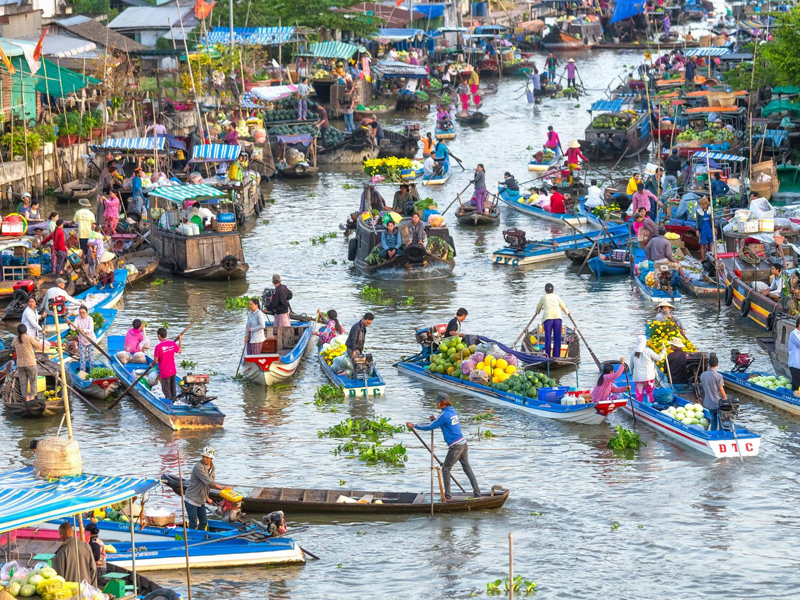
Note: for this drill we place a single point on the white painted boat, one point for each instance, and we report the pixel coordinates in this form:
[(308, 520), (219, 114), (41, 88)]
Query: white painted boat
[(291, 344), (781, 398)]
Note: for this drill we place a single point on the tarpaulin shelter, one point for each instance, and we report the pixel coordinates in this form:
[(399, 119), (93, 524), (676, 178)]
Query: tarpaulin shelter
[(335, 50), (625, 9), (215, 153), (251, 36)]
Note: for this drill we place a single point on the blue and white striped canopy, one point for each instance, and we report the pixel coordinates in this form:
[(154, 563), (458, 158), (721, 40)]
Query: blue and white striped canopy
[(26, 500), (143, 143), (776, 136), (710, 51), (180, 193), (719, 156), (215, 153), (253, 36), (607, 105)]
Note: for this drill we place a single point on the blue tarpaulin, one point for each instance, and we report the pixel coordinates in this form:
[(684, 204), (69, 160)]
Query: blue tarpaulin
[(255, 36), (719, 156), (215, 153), (390, 36), (775, 136), (607, 105), (432, 11), (26, 499), (143, 143), (625, 9), (711, 51)]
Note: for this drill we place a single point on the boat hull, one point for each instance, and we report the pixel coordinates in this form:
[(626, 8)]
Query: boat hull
[(269, 369), (436, 179), (510, 200), (601, 267), (353, 388), (476, 218), (95, 389), (784, 400)]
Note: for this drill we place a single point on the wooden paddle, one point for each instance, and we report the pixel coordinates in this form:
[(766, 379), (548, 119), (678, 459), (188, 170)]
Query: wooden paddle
[(437, 459), (152, 364), (630, 396), (458, 160), (458, 196), (524, 331)]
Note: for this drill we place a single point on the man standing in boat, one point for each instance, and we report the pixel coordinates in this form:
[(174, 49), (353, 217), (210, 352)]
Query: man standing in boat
[(551, 64), (551, 307), (358, 334), (454, 326), (200, 484), (457, 450), (279, 303)]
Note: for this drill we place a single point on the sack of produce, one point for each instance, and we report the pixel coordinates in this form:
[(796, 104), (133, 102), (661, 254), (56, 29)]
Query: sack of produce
[(511, 360), (342, 364), (478, 376), (478, 355), (467, 367)]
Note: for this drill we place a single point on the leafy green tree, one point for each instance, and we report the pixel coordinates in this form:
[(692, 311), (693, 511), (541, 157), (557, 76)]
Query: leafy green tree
[(781, 54)]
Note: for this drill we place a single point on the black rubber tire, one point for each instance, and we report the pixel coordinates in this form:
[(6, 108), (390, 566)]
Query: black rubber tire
[(415, 253), (352, 249), (162, 594), (745, 310), (729, 295), (771, 321), (229, 262)]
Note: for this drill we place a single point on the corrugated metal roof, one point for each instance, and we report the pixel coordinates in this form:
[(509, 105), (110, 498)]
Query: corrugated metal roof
[(719, 156), (77, 19), (101, 35), (607, 105), (61, 46), (153, 17)]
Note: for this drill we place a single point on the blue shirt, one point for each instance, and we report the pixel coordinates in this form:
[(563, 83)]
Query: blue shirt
[(441, 151), (136, 186), (390, 241), (448, 422), (719, 188)]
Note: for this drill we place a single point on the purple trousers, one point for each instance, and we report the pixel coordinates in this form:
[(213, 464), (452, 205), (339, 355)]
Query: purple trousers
[(479, 198), (552, 332)]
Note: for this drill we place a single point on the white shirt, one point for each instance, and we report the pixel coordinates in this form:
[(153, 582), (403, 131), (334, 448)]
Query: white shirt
[(551, 306), (644, 367), (54, 292), (427, 167), (794, 349), (594, 197), (30, 318)]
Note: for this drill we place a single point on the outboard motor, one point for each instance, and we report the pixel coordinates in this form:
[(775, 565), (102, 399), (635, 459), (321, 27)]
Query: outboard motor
[(709, 267), (741, 361), (515, 238), (362, 366), (728, 412), (430, 338), (193, 390)]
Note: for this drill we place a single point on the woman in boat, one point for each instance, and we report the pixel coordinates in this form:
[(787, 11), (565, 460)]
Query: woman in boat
[(474, 83), (633, 184), (403, 202), (427, 145), (644, 227), (442, 156), (553, 142), (605, 383), (371, 199), (703, 227), (26, 346), (84, 325), (254, 330), (332, 328), (463, 94), (391, 242), (279, 303), (643, 368), (105, 270), (479, 181), (111, 207), (509, 182), (34, 214), (573, 156)]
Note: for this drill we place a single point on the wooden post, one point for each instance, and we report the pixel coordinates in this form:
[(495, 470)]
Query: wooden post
[(751, 105), (510, 566), (714, 232), (432, 471), (63, 378), (185, 535), (133, 548)]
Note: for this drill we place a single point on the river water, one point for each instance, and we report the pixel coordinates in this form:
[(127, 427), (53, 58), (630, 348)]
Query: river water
[(688, 526)]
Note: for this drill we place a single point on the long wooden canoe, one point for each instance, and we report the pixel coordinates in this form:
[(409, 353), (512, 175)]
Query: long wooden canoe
[(300, 500)]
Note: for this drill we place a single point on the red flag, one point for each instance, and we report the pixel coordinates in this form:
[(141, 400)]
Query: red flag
[(202, 9), (37, 52), (397, 3), (6, 61)]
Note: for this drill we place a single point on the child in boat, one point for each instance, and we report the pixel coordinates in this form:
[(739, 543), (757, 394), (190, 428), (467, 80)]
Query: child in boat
[(605, 383), (332, 327)]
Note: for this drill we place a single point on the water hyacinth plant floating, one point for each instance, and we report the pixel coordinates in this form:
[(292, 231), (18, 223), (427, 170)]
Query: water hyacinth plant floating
[(375, 453), (362, 428), (327, 394)]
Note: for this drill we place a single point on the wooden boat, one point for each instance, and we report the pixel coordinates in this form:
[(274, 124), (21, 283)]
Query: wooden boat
[(476, 118), (211, 255), (176, 415), (76, 190), (445, 134), (301, 500), (569, 356), (629, 142), (533, 165), (600, 266), (94, 299), (94, 389), (416, 262), (145, 261), (513, 200), (401, 145), (14, 401), (467, 214), (776, 344), (719, 444), (372, 386), (280, 354), (611, 217), (303, 170), (298, 171), (71, 338), (781, 398), (358, 115), (547, 403), (524, 252)]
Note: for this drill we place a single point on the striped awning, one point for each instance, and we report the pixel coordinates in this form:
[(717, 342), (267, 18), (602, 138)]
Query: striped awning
[(719, 156), (251, 36), (340, 50), (711, 51), (144, 143), (607, 105), (180, 193), (273, 92), (395, 68), (775, 136), (26, 500), (215, 153)]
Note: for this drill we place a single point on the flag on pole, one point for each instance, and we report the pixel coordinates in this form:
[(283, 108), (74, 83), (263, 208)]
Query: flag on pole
[(6, 61), (37, 52), (202, 9), (397, 3)]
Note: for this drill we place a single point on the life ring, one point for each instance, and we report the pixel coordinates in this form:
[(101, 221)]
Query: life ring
[(162, 594), (229, 262), (728, 295), (745, 310), (352, 249), (415, 253)]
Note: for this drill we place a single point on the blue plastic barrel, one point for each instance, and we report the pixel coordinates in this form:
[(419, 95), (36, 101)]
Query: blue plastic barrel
[(480, 9)]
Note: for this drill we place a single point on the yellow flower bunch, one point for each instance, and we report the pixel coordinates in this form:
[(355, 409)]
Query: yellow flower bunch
[(389, 167), (332, 353), (660, 333)]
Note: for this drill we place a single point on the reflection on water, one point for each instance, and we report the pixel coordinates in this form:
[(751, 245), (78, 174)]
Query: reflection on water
[(688, 526)]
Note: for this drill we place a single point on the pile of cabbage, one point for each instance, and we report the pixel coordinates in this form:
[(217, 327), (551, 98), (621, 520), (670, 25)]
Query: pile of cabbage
[(691, 414), (42, 581), (770, 381)]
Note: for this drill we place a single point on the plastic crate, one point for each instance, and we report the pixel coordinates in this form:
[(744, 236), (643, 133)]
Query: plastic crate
[(552, 394)]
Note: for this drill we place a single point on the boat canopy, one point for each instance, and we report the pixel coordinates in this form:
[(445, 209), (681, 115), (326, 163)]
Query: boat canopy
[(297, 138), (180, 193), (613, 106), (391, 36), (625, 9), (157, 143), (15, 242), (443, 30), (719, 156), (215, 153), (251, 36), (775, 137), (340, 50), (391, 68), (786, 89), (26, 499), (709, 51), (273, 93), (779, 106)]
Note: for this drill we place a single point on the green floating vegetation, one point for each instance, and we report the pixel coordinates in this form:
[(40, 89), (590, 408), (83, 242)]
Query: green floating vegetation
[(625, 439), (235, 302), (374, 453), (362, 429), (329, 394), (503, 586), (158, 281), (188, 364), (322, 239)]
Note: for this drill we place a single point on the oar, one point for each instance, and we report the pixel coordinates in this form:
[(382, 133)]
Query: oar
[(152, 364), (437, 459), (588, 239), (241, 358), (630, 396), (92, 342), (458, 160), (588, 256), (548, 173), (73, 391), (458, 197), (594, 356)]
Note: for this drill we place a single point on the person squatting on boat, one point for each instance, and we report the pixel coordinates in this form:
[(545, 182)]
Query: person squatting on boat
[(457, 450), (332, 327), (391, 242), (605, 382)]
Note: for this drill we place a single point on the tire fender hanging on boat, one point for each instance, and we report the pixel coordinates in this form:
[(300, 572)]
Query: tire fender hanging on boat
[(229, 262), (745, 310), (415, 252), (729, 295), (352, 249), (771, 321)]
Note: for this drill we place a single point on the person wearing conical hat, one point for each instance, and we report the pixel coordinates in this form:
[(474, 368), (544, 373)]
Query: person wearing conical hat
[(574, 154), (665, 312), (572, 71)]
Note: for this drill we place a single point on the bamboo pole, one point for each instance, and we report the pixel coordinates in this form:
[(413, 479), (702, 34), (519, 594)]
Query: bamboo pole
[(185, 534), (750, 106), (24, 131), (63, 376), (510, 566), (713, 234), (432, 472), (133, 549), (189, 65)]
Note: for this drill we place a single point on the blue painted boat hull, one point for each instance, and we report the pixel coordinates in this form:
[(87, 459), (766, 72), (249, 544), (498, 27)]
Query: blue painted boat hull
[(510, 198), (654, 294), (95, 298), (781, 398), (355, 388), (601, 267), (545, 250)]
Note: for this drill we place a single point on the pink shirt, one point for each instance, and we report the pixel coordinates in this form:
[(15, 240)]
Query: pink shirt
[(112, 208), (553, 140), (133, 341), (642, 200), (165, 355), (605, 389)]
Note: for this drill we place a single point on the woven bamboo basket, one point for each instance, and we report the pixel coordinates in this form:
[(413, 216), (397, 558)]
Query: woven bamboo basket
[(161, 521), (57, 457), (224, 227)]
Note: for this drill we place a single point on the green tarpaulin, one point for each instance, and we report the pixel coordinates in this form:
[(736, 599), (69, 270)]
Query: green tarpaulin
[(340, 50), (56, 81), (786, 89), (779, 106)]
